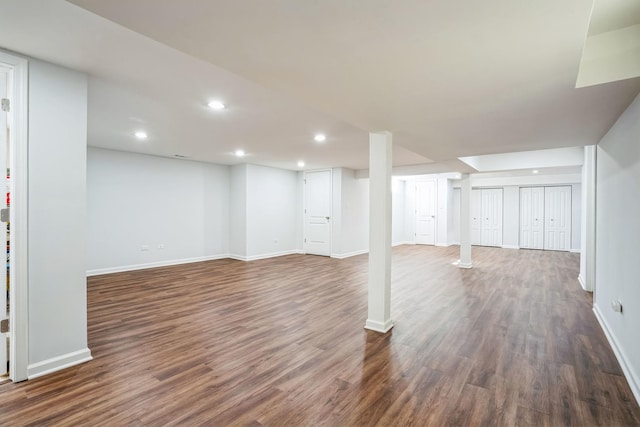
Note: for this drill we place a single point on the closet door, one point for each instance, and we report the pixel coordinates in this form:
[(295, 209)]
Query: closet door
[(532, 218), (491, 234), (557, 223), (476, 217), (425, 213)]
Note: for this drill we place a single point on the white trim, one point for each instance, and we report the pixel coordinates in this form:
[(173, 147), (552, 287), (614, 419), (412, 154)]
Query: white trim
[(443, 245), (408, 242), (574, 251), (632, 379), (58, 363), (376, 326), (19, 314), (466, 265), (581, 281), (121, 269), (510, 247), (349, 254), (264, 256)]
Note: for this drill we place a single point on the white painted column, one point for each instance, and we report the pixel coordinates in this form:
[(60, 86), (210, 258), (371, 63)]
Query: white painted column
[(379, 312), (465, 222), (587, 275)]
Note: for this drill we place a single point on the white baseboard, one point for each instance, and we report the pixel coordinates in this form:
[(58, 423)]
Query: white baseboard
[(350, 254), (581, 281), (443, 245), (575, 251), (58, 363), (465, 265), (510, 247), (263, 256), (403, 243), (376, 326), (632, 378), (168, 263)]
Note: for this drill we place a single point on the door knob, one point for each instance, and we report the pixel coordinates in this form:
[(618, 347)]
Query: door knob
[(327, 218)]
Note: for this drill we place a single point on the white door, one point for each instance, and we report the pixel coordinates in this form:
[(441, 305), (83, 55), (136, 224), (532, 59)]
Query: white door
[(4, 133), (491, 234), (317, 212), (532, 218), (426, 213), (476, 217), (557, 221)]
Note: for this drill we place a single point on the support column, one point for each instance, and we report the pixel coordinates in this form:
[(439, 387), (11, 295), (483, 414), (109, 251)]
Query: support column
[(465, 222), (379, 312), (587, 274)]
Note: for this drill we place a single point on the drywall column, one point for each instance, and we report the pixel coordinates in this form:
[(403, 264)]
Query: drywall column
[(465, 222), (379, 312), (588, 228)]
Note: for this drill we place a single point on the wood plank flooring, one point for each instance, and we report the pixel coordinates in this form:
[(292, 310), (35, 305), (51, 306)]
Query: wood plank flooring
[(277, 342)]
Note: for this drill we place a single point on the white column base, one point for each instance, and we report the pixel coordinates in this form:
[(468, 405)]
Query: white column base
[(376, 326), (465, 265)]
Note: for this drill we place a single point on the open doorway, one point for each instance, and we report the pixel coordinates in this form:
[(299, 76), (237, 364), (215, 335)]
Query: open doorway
[(13, 217)]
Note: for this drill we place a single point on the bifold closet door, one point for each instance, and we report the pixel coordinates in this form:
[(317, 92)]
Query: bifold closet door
[(532, 218), (486, 217), (557, 223)]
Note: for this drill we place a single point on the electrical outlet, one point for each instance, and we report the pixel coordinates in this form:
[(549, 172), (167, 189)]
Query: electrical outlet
[(616, 306), (144, 247)]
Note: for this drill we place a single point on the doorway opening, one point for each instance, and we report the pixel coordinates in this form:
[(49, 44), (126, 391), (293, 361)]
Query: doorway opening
[(13, 217)]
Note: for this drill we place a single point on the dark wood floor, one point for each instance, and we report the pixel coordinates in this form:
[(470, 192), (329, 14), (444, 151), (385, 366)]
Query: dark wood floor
[(512, 341)]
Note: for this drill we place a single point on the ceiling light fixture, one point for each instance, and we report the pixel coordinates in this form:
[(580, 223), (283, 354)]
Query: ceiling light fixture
[(216, 105), (320, 137), (141, 135), (239, 153), (300, 164), (535, 171)]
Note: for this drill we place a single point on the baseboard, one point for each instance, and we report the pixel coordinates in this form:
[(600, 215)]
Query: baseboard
[(510, 247), (581, 281), (403, 243), (58, 363), (350, 254), (632, 379), (168, 263), (465, 265), (264, 256), (575, 251), (376, 326), (443, 245)]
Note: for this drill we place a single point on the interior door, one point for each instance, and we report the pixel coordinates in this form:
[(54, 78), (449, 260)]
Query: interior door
[(557, 223), (425, 213), (491, 234), (532, 218), (317, 212), (4, 193), (476, 215)]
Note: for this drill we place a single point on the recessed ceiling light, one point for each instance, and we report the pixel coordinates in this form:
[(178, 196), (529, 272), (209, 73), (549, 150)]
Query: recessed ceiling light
[(300, 164), (216, 105), (239, 153), (535, 171), (141, 135), (320, 137)]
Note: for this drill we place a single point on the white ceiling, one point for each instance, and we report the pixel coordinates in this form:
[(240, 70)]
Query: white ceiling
[(449, 78)]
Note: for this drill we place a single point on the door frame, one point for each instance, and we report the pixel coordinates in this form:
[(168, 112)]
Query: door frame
[(19, 254), (304, 208)]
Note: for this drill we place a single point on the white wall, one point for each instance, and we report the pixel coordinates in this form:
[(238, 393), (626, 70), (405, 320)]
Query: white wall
[(176, 209), (618, 239), (57, 218), (511, 217), (238, 211), (576, 217), (273, 208), (442, 214), (355, 213)]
